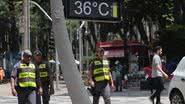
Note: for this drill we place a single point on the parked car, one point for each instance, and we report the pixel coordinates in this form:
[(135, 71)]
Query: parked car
[(177, 84), (172, 65)]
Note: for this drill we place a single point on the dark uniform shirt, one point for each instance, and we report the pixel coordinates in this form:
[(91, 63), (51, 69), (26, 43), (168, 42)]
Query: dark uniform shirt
[(45, 81)]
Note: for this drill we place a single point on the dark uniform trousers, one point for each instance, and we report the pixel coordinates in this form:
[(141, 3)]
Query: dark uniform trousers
[(102, 89), (26, 96), (45, 96)]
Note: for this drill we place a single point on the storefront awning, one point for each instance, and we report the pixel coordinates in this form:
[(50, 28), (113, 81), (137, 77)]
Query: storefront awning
[(114, 53), (117, 44)]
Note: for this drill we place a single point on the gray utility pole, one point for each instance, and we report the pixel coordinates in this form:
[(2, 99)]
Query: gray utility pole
[(26, 16), (80, 45), (71, 74)]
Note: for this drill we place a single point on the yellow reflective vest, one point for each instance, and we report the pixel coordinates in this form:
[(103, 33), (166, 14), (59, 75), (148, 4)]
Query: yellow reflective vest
[(43, 71), (27, 75), (101, 70)]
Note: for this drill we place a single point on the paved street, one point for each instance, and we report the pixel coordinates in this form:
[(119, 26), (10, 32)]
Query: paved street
[(66, 100), (129, 96)]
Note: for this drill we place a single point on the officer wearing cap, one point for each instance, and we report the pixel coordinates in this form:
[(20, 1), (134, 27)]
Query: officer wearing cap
[(23, 80), (46, 78), (100, 78)]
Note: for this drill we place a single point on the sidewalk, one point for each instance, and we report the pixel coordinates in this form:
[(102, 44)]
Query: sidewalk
[(5, 90), (127, 96)]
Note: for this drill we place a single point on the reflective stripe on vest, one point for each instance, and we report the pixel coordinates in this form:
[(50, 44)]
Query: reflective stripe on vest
[(43, 71), (101, 71), (27, 84), (24, 66), (42, 66), (43, 74), (26, 76)]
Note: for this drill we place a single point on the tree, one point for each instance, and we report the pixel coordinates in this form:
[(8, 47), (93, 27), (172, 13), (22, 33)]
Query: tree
[(13, 30), (9, 25), (179, 11), (135, 14), (154, 12), (172, 39), (40, 27)]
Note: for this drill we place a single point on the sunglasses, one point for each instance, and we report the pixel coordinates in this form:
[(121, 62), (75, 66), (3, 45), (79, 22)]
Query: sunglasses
[(27, 56)]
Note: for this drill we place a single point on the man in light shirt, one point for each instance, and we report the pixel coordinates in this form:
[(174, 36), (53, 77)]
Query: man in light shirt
[(157, 75)]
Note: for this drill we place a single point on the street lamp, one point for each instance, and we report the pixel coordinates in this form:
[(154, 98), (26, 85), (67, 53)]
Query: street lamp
[(45, 13), (25, 21), (80, 45)]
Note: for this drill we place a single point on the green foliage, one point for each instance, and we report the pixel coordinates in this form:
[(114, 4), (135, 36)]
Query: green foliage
[(72, 27), (172, 40), (40, 26), (168, 14), (155, 9), (175, 27), (8, 22), (3, 8)]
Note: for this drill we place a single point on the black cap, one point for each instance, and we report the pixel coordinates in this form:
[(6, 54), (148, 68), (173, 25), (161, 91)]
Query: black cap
[(38, 53)]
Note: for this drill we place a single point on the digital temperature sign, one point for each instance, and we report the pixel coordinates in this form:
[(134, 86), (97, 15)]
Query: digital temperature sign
[(102, 10)]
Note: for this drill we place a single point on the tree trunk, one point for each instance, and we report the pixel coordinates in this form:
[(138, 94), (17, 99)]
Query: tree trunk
[(141, 30), (92, 33)]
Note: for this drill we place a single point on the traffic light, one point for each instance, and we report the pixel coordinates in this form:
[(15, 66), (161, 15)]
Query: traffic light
[(51, 45)]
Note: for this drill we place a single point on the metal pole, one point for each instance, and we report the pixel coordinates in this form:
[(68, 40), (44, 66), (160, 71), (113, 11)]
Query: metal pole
[(72, 77), (87, 47), (28, 24), (80, 44), (25, 16), (36, 4), (87, 54), (57, 70), (96, 31), (33, 2)]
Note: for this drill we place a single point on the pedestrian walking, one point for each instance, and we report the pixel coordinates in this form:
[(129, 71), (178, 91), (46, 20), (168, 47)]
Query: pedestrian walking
[(119, 75), (100, 78), (23, 80), (46, 78), (157, 75)]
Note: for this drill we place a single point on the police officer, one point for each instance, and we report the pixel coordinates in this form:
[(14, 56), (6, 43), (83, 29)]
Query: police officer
[(100, 78), (23, 80), (45, 78)]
